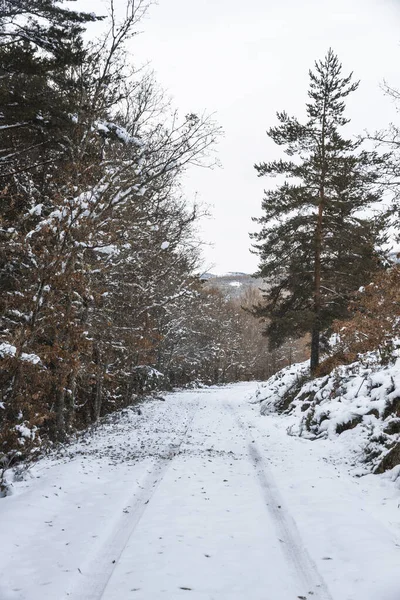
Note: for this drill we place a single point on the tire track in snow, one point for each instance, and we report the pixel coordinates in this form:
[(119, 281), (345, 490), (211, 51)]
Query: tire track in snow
[(286, 527), (288, 532), (95, 576)]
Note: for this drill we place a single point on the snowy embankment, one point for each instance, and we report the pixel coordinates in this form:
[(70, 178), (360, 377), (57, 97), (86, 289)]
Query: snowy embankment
[(356, 405)]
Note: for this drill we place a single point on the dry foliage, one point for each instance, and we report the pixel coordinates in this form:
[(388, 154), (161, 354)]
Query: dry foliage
[(374, 323)]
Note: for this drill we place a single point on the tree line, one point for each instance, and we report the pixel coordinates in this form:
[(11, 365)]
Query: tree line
[(101, 300), (99, 267)]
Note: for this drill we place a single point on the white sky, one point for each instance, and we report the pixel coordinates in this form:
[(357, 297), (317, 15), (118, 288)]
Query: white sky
[(246, 60)]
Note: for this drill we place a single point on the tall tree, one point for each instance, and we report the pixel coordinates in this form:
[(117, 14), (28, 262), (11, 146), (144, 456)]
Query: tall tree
[(388, 141), (40, 47), (316, 244)]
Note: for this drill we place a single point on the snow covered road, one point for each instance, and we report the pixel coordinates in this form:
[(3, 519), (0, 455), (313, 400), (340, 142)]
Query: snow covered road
[(200, 497)]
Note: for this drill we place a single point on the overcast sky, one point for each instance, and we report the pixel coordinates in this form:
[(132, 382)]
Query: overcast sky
[(244, 61)]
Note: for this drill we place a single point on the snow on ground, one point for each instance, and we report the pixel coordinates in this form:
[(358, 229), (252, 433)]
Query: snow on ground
[(200, 497), (272, 393), (358, 403)]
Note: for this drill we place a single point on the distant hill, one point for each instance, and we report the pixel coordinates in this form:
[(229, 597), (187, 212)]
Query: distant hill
[(232, 285)]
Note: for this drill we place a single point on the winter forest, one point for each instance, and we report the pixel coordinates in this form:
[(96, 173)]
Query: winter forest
[(112, 323)]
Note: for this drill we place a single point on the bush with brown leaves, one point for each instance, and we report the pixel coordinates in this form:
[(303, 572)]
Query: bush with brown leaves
[(375, 320)]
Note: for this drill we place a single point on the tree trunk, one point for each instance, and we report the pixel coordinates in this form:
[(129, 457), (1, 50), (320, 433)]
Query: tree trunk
[(70, 402), (98, 389), (60, 414), (315, 334), (316, 329), (314, 360), (98, 395)]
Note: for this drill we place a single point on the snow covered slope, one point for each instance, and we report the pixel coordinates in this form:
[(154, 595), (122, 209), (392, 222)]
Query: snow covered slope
[(357, 405), (199, 497)]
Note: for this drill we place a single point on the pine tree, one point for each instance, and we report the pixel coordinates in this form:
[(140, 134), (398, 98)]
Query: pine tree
[(316, 244), (40, 46)]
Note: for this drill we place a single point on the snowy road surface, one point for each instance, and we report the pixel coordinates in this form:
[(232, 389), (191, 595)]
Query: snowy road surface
[(200, 497)]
